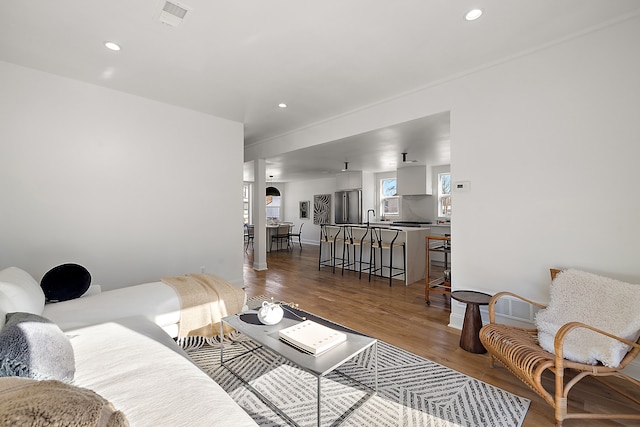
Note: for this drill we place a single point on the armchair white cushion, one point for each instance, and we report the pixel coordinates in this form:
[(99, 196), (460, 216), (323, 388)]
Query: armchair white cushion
[(19, 292), (604, 303)]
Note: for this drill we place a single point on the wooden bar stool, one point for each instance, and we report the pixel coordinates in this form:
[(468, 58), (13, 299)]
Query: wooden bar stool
[(386, 239), (354, 237), (330, 235)]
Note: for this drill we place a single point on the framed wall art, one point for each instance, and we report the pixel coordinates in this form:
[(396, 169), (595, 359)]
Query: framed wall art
[(322, 209), (304, 209)]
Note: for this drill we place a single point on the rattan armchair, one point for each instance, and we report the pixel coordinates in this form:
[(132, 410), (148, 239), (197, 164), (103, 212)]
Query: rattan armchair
[(519, 351)]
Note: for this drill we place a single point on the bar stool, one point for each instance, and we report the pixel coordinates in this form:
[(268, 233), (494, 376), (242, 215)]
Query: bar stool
[(330, 235), (354, 237), (386, 239)]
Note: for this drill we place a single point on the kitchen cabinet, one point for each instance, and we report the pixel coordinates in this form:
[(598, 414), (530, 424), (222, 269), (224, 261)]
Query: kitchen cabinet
[(413, 180), (349, 180)]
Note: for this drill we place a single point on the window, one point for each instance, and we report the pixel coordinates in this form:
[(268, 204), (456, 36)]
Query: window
[(444, 195), (246, 203), (273, 203), (273, 207), (389, 202)]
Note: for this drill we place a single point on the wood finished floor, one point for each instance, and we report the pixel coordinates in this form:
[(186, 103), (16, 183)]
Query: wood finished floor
[(398, 315)]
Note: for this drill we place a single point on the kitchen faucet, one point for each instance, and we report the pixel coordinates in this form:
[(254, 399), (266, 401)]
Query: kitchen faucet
[(374, 215)]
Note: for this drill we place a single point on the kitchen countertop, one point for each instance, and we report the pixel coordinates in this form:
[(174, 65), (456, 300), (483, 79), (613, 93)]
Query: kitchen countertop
[(389, 225), (415, 249)]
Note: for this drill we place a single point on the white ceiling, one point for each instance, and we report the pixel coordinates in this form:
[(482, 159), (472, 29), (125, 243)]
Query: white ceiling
[(238, 59), (425, 140)]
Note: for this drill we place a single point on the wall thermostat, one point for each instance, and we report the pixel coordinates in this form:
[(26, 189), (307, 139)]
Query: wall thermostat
[(461, 186)]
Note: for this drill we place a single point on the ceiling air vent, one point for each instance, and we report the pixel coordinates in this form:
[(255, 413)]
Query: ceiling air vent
[(173, 13)]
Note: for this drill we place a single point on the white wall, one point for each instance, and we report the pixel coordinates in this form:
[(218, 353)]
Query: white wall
[(130, 188), (553, 135), (549, 143), (369, 194), (305, 190)]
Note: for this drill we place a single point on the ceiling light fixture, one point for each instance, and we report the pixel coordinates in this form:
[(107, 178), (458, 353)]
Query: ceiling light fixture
[(282, 105), (112, 46), (404, 159), (346, 167), (473, 14)]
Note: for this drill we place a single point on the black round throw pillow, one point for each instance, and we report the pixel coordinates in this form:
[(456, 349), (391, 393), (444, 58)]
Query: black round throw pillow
[(65, 282)]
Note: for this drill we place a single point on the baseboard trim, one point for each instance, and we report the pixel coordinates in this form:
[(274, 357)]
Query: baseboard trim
[(456, 321), (260, 266)]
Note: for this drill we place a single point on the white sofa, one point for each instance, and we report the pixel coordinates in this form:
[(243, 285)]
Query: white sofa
[(123, 349), (156, 301)]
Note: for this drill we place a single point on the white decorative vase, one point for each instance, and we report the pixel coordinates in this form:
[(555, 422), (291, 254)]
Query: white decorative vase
[(270, 313)]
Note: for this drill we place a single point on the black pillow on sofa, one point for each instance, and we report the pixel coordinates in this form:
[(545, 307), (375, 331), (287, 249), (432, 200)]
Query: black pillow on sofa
[(65, 282)]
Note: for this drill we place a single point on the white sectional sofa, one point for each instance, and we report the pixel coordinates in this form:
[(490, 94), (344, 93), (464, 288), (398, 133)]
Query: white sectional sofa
[(123, 350)]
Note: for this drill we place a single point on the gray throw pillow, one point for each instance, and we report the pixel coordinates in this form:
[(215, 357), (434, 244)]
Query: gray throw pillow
[(34, 347)]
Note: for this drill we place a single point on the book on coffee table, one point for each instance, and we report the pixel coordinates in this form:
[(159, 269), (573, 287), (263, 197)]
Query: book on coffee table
[(312, 337)]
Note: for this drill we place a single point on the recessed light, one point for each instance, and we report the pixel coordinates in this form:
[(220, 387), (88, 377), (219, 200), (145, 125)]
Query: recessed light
[(282, 105), (473, 14), (112, 46)]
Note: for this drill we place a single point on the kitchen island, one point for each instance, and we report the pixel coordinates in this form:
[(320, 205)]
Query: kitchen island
[(414, 239), (416, 253)]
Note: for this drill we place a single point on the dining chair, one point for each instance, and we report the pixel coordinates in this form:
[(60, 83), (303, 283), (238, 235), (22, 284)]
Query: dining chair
[(281, 235), (298, 234), (248, 236)]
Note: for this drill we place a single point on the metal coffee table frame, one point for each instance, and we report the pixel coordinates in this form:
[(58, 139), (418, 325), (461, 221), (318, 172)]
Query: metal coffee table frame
[(267, 338)]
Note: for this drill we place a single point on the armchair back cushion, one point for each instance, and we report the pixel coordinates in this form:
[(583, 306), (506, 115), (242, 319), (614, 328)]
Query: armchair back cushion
[(601, 302), (19, 291)]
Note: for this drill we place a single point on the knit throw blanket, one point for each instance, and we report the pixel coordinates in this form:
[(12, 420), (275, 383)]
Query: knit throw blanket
[(204, 300), (607, 304), (27, 403)]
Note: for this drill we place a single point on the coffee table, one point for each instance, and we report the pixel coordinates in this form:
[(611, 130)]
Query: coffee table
[(266, 338)]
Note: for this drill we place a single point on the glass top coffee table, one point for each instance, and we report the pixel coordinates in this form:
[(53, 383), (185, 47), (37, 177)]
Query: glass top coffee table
[(266, 338)]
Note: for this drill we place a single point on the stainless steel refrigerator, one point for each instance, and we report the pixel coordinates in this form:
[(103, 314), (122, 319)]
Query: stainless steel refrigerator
[(348, 207)]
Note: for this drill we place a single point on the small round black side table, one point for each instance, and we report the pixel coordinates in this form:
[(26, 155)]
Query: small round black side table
[(470, 337)]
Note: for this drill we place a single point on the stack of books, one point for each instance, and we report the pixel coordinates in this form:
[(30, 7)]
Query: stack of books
[(312, 337)]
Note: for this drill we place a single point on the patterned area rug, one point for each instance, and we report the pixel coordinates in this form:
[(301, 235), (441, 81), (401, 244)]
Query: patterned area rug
[(412, 391)]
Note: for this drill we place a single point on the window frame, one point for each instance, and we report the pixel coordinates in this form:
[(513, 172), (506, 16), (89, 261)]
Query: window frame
[(246, 202), (443, 195), (385, 198)]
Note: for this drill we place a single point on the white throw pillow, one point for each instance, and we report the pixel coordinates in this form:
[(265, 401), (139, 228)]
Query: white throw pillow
[(20, 292), (607, 304)]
